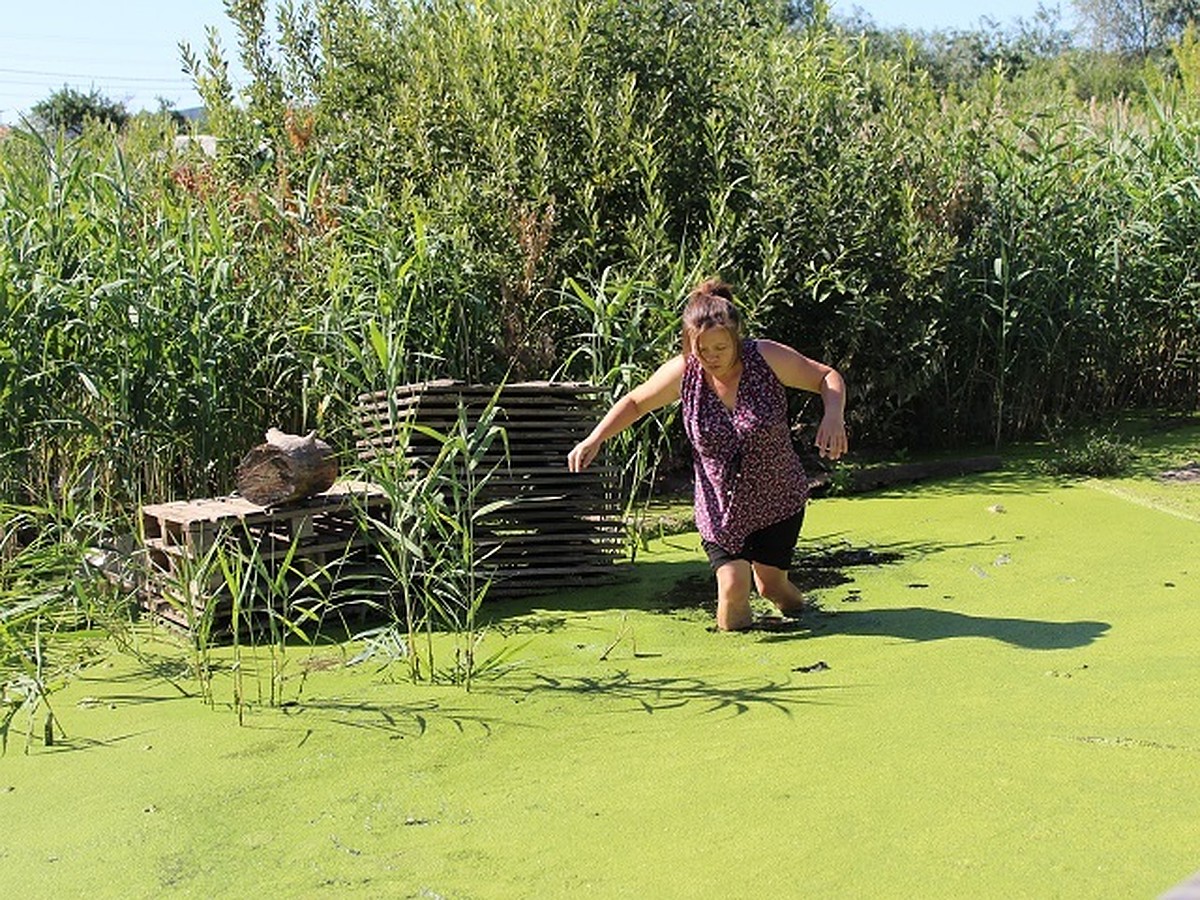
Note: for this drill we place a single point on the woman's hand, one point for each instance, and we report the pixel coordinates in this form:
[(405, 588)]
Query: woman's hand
[(831, 436), (582, 455)]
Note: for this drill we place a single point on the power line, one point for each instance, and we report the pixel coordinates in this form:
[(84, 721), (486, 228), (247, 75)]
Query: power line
[(124, 79)]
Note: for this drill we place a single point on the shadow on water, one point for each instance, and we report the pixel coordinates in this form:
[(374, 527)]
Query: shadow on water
[(173, 672), (687, 588), (395, 721), (815, 566), (920, 624), (671, 693), (75, 743), (672, 587), (1025, 483)]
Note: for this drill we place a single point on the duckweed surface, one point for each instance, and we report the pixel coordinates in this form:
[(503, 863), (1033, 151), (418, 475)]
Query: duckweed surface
[(997, 698)]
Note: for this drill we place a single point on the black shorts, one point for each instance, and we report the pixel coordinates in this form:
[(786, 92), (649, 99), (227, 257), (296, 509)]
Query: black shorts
[(772, 545)]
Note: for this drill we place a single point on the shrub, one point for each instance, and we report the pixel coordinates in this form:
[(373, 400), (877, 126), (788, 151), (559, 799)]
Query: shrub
[(1097, 455)]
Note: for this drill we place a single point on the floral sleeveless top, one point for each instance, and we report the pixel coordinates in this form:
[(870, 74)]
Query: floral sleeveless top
[(747, 474)]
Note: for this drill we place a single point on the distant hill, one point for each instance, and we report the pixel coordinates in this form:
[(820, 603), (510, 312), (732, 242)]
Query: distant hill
[(196, 114)]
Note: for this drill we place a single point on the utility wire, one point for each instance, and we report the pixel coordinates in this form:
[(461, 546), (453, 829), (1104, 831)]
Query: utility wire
[(123, 79)]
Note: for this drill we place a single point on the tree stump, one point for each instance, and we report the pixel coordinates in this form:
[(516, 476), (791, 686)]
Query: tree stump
[(287, 468)]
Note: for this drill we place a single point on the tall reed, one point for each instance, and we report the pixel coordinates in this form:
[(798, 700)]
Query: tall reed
[(47, 591), (437, 496)]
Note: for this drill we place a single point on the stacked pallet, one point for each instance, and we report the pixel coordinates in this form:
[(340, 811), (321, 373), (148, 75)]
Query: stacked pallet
[(184, 583), (556, 528)]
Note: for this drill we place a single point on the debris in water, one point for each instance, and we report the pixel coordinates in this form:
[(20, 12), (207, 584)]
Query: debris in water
[(819, 666), (1190, 472)]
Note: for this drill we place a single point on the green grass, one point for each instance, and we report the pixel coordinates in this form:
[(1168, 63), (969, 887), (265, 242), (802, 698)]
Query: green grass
[(1008, 711)]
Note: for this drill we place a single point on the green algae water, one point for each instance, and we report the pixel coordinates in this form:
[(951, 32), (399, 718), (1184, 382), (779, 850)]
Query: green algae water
[(998, 698)]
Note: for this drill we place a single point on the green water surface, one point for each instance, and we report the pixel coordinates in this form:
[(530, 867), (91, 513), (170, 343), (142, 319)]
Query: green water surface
[(1008, 708)]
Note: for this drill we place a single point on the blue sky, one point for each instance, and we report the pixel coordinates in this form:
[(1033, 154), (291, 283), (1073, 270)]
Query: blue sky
[(934, 14), (128, 50)]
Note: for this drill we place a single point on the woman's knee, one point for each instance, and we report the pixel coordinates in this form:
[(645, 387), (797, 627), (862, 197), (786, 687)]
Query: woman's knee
[(734, 579)]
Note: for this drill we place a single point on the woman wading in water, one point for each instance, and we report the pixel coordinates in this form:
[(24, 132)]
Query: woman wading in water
[(750, 489)]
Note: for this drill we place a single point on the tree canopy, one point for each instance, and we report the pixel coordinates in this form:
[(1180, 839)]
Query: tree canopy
[(70, 110), (1138, 27)]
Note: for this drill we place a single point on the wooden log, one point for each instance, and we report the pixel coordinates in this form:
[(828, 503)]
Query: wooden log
[(287, 468), (877, 477)]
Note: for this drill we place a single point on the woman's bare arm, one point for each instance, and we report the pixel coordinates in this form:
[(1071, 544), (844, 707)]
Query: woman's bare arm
[(654, 393), (796, 370)]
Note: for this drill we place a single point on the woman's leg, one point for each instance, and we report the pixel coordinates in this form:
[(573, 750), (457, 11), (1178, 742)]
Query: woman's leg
[(775, 585), (733, 596)]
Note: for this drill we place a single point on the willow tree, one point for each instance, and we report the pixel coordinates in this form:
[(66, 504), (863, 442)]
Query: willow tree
[(1138, 27)]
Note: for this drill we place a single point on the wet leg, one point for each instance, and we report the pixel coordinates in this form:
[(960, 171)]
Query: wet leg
[(774, 584), (733, 596)]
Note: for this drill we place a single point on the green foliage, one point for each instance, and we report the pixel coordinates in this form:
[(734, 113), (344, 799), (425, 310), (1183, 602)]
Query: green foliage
[(537, 145), (958, 58), (1095, 455), (1138, 27), (438, 576), (70, 111), (1186, 55), (46, 592), (131, 329), (519, 189)]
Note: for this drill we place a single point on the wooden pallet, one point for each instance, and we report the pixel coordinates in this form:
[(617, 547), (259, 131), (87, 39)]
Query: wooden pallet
[(558, 528), (324, 537), (541, 418)]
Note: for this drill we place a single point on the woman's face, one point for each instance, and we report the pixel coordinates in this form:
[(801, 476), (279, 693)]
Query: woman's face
[(717, 351)]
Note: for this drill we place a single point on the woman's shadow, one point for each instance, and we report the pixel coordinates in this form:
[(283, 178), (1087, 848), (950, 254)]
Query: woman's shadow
[(918, 623)]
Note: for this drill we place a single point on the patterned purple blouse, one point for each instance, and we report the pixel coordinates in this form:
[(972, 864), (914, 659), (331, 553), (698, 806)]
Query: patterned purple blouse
[(747, 474)]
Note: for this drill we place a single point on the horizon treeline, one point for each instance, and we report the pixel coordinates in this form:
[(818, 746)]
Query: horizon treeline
[(526, 189)]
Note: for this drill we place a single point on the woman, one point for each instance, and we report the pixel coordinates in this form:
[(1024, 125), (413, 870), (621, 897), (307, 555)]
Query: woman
[(751, 490)]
